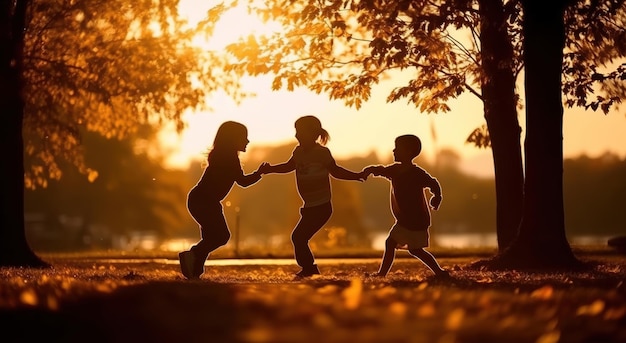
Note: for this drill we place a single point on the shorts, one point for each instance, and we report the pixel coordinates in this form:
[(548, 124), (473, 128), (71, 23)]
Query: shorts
[(408, 239)]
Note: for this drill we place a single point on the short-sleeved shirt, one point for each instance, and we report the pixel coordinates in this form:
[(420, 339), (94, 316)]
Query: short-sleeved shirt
[(312, 174), (408, 201)]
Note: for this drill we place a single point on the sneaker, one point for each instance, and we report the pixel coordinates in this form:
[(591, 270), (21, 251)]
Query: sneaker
[(198, 268), (308, 271), (187, 260), (443, 276)]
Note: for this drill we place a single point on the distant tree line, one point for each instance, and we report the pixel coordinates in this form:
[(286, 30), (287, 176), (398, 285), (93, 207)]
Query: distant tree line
[(595, 194)]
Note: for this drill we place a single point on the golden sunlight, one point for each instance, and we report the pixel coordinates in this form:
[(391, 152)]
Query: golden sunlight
[(270, 115), (237, 23)]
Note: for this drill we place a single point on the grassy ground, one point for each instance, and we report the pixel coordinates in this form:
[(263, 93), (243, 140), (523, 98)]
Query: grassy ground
[(93, 297)]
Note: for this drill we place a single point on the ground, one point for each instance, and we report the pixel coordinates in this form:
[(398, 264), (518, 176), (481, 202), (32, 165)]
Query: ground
[(147, 300)]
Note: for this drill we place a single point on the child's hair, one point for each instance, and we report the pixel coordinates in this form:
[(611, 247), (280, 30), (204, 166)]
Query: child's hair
[(227, 136), (412, 142), (313, 124)]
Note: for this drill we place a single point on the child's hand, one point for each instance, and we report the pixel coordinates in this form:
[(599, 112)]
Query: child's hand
[(435, 201), (264, 168), (363, 175), (376, 170)]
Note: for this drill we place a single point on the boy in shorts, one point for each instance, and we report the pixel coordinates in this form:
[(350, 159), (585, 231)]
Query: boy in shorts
[(408, 204)]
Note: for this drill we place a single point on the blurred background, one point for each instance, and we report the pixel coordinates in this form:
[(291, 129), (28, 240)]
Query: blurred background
[(138, 204)]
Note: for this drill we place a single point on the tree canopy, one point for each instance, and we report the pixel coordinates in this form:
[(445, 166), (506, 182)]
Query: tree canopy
[(594, 70), (105, 67), (345, 47), (133, 191), (108, 67)]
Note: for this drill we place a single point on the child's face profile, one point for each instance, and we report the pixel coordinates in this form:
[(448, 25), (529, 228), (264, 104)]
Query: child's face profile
[(305, 135), (242, 142), (402, 153)]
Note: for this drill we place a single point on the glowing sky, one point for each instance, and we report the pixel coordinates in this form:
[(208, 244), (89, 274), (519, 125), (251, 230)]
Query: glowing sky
[(270, 117)]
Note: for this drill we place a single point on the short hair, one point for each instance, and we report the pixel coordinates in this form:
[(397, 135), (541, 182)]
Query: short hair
[(412, 142)]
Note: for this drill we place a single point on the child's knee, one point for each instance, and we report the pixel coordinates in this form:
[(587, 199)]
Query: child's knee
[(297, 238), (223, 238), (390, 243)]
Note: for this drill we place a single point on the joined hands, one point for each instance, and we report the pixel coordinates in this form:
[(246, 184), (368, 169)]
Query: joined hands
[(264, 168)]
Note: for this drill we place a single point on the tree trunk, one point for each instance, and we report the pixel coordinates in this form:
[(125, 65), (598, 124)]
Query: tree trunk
[(498, 88), (14, 248), (541, 243)]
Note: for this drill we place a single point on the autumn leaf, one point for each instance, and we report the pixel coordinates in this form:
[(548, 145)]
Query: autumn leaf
[(543, 293), (352, 294), (29, 297), (455, 319), (593, 309), (549, 337)]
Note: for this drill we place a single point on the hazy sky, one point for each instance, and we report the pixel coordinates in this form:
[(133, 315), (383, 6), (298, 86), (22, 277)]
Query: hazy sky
[(270, 117)]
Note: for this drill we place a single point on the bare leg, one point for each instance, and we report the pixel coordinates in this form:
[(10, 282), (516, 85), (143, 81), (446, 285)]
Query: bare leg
[(428, 259), (388, 256)]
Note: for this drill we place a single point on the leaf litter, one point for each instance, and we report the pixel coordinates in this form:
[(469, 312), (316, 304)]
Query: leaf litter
[(123, 302)]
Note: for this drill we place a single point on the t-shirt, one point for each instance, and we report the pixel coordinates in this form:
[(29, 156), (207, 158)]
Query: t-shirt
[(312, 170), (408, 201), (219, 176)]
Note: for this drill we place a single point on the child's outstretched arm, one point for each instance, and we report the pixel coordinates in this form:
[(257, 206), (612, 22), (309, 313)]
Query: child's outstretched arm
[(250, 179), (377, 170), (282, 168), (345, 174)]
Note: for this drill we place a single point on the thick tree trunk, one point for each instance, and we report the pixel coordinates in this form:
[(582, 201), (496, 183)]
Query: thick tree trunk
[(14, 248), (541, 243), (498, 88)]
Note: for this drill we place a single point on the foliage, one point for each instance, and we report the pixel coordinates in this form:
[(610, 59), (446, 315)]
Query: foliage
[(596, 43), (132, 193), (345, 47), (108, 67)]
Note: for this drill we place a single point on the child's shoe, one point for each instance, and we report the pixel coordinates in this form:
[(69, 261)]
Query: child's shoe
[(187, 264), (198, 268), (443, 275), (308, 271)]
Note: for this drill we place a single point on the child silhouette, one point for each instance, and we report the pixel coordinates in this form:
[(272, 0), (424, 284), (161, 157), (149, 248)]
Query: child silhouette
[(313, 163), (204, 199), (408, 204)]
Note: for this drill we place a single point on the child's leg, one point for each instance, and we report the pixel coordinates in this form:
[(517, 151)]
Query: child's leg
[(312, 219), (388, 256), (214, 235), (428, 259), (214, 232)]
